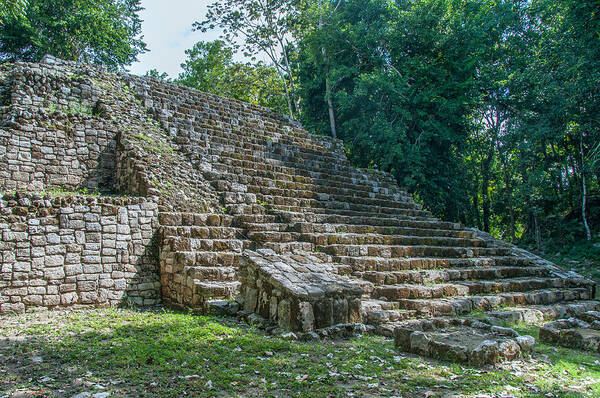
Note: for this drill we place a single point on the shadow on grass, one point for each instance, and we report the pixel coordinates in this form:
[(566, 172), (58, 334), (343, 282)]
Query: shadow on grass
[(130, 353)]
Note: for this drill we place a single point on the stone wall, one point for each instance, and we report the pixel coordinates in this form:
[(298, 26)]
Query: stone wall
[(77, 251), (50, 137)]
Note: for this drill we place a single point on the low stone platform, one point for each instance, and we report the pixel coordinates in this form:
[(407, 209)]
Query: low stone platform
[(581, 332), (461, 340), (538, 314), (298, 292)]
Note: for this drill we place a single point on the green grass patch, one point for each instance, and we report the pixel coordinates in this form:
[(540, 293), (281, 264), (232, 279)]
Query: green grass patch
[(169, 354)]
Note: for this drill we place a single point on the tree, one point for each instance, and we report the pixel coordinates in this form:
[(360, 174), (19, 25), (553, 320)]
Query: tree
[(210, 68), (320, 23), (96, 31), (12, 9), (265, 27), (401, 75), (155, 73)]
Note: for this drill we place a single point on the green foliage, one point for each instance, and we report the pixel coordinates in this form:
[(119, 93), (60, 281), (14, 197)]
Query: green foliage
[(96, 31), (73, 108), (403, 85), (158, 75), (477, 107), (12, 9), (169, 354), (154, 145), (258, 27), (210, 68)]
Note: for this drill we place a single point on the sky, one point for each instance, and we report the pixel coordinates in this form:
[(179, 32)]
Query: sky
[(167, 30)]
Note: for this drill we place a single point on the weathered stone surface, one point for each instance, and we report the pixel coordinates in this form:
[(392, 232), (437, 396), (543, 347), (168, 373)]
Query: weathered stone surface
[(461, 340), (582, 332), (310, 295)]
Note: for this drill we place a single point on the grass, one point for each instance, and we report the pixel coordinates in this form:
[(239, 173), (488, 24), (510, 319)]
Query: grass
[(576, 255), (582, 257), (71, 109), (150, 144), (126, 352)]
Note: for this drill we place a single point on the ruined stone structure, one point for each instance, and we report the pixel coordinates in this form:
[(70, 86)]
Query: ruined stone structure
[(121, 188)]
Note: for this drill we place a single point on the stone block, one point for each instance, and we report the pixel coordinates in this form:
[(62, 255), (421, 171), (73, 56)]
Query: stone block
[(54, 261), (54, 273)]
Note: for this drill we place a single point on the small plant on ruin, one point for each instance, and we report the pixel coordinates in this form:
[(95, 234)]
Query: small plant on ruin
[(71, 109), (150, 144)]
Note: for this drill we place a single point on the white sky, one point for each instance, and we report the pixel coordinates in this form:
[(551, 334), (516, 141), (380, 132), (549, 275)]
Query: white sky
[(167, 30)]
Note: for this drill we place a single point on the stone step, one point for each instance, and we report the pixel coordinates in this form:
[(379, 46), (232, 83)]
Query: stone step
[(212, 274), (461, 340), (380, 264), (419, 229), (241, 220), (324, 239), (272, 161), (333, 214), (226, 180), (465, 288), (325, 200), (178, 219), (281, 145), (449, 275), (375, 312), (290, 247), (300, 173), (263, 177), (542, 313), (465, 305), (178, 244), (375, 212), (273, 236), (203, 232), (240, 153), (236, 209), (385, 220), (303, 204), (206, 259), (211, 290), (195, 120), (307, 198), (275, 144), (398, 251), (268, 227)]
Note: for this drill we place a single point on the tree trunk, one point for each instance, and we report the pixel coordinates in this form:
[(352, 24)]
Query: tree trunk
[(588, 233), (511, 211), (538, 234), (476, 217), (287, 93), (328, 87), (330, 107), (485, 184)]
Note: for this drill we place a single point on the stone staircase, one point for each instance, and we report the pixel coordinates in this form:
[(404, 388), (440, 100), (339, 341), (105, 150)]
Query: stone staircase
[(295, 197), (251, 206), (199, 256)]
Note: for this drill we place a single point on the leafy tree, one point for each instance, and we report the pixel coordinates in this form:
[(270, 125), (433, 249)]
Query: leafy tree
[(12, 9), (97, 31), (210, 68), (402, 82), (264, 27), (483, 108)]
